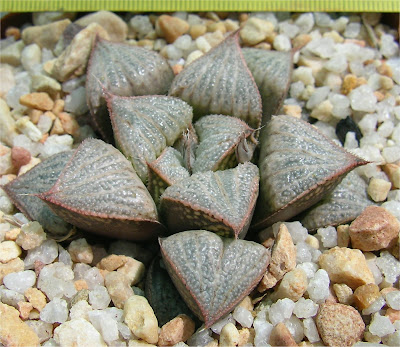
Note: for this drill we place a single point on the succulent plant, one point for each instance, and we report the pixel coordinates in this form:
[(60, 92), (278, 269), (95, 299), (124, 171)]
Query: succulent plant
[(203, 182)]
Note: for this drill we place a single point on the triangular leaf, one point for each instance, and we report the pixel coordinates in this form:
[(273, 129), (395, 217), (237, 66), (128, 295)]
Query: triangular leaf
[(144, 126), (163, 297), (99, 191), (222, 201), (213, 274), (272, 72), (166, 170), (123, 70), (219, 138), (220, 83), (39, 179), (298, 167), (343, 205)]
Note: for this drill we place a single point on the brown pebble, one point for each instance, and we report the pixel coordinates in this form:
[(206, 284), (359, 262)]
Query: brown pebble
[(365, 295), (36, 298), (58, 106), (351, 82), (343, 237), (81, 284), (172, 27), (19, 157), (374, 229), (40, 101), (176, 330), (69, 123), (38, 266), (385, 69), (12, 234), (281, 336), (57, 128), (339, 325), (13, 31), (393, 315)]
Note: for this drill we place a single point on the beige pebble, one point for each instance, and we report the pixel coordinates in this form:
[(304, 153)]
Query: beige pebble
[(139, 343), (351, 82), (7, 124), (379, 95), (292, 110), (246, 336), (33, 162), (140, 318), (283, 259), (12, 234), (385, 69), (13, 331), (24, 309), (69, 123), (73, 61), (217, 26), (34, 314), (345, 265), (231, 25), (197, 30), (40, 101), (32, 235), (393, 173), (281, 336), (172, 27), (339, 325), (14, 265), (301, 40), (334, 35), (229, 336), (118, 287), (343, 293), (293, 286), (12, 53), (34, 115), (58, 106), (46, 36), (9, 250), (7, 79), (365, 295), (374, 229), (80, 251), (256, 30), (343, 236), (323, 111), (312, 241), (247, 303), (42, 83), (57, 128), (176, 330), (36, 298), (116, 28)]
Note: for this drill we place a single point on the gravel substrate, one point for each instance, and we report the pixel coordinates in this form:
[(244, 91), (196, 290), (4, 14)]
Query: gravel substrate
[(338, 286)]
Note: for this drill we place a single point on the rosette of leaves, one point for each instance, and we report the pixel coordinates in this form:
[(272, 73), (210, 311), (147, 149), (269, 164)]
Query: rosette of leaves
[(220, 83), (99, 191), (223, 142), (343, 205), (211, 273), (144, 126), (221, 201), (22, 191), (123, 70), (298, 167)]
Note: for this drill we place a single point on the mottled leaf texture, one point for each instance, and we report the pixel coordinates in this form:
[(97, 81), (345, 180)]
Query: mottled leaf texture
[(100, 192), (220, 83), (166, 170), (222, 201), (39, 179), (143, 126), (343, 205), (219, 136), (123, 70), (298, 167), (163, 297), (211, 273), (272, 72)]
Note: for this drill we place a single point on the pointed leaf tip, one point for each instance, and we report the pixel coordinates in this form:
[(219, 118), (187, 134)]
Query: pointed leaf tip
[(211, 273), (220, 83), (99, 191)]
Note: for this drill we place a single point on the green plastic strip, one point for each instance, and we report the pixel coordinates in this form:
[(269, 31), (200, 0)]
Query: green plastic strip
[(201, 5)]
